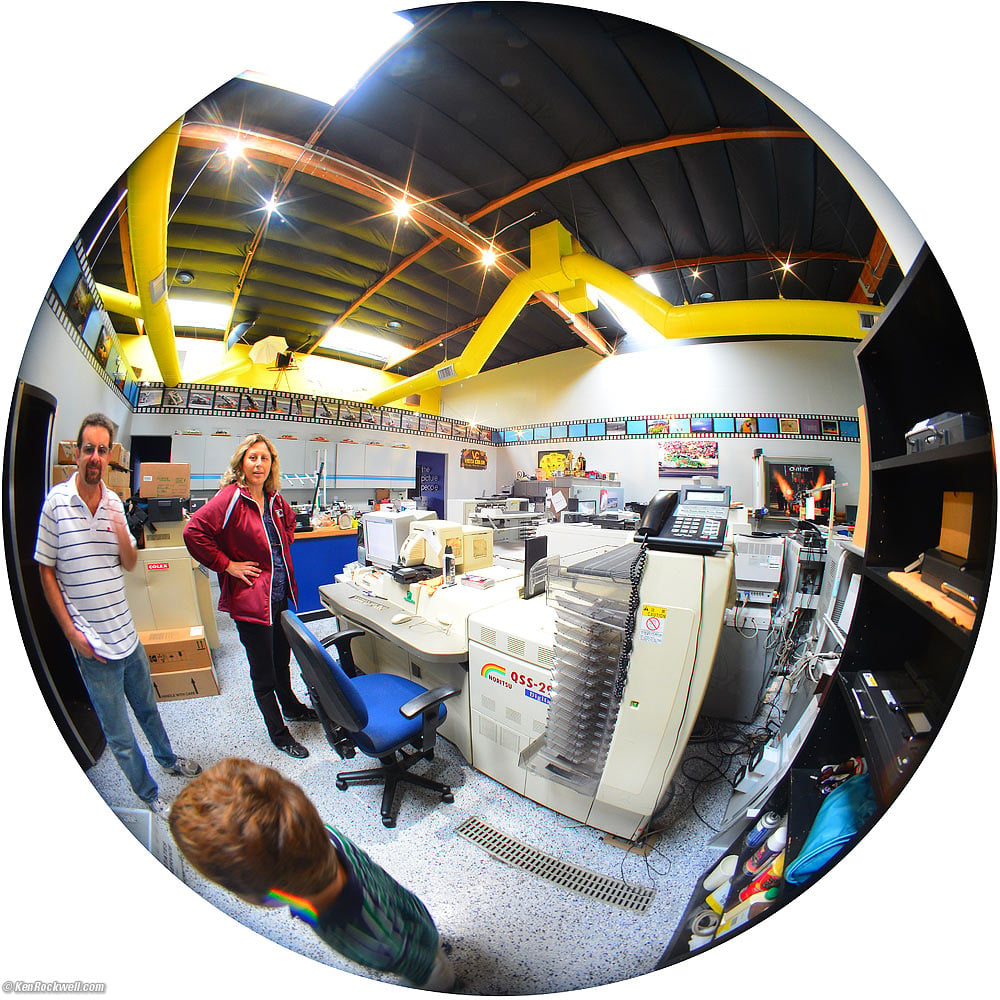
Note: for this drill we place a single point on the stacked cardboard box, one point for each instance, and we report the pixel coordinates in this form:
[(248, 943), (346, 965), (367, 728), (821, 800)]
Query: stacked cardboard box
[(180, 663), (165, 479), (116, 475)]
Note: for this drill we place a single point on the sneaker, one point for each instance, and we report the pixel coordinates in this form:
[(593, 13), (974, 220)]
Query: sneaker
[(159, 806), (184, 767), (293, 749), (303, 714)]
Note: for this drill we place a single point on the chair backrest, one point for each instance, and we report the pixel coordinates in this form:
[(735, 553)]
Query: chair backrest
[(338, 696)]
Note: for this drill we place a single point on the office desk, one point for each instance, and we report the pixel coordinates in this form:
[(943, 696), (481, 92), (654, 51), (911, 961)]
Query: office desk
[(317, 557), (421, 649)]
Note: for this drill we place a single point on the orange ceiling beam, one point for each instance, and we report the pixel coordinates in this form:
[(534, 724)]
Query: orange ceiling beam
[(875, 265)]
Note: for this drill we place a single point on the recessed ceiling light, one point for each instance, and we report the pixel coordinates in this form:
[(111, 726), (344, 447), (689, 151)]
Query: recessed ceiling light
[(183, 277), (393, 324)]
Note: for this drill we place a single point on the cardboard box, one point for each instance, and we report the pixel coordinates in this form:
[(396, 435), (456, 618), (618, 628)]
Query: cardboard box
[(165, 479), (60, 473), (119, 457), (66, 453), (956, 524), (118, 482), (176, 685), (175, 649)]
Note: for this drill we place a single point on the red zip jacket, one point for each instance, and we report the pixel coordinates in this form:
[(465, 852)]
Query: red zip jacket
[(230, 528)]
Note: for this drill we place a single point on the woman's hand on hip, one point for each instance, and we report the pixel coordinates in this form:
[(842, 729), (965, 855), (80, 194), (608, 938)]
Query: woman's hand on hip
[(245, 571)]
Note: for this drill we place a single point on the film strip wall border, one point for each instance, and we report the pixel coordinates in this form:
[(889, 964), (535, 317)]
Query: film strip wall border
[(797, 426), (191, 399), (76, 303), (273, 404)]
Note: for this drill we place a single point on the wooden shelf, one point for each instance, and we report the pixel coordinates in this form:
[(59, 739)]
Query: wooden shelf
[(958, 452)]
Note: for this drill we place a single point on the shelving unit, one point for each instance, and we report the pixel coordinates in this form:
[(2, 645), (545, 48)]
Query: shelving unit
[(901, 661)]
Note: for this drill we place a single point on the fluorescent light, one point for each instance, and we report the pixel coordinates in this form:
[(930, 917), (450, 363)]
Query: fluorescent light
[(330, 78), (363, 345), (199, 313)]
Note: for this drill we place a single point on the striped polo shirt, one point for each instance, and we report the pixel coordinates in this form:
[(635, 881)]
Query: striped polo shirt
[(83, 549), (375, 921)]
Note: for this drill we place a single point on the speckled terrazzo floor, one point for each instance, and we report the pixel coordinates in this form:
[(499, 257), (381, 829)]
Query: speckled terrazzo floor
[(510, 933)]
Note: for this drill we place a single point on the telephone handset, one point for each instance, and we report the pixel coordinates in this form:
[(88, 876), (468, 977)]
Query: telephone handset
[(692, 521), (656, 514)]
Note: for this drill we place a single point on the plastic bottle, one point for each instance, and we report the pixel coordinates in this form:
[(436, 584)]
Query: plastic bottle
[(448, 567), (774, 844)]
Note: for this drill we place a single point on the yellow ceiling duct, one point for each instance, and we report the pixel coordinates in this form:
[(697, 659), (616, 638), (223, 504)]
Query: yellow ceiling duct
[(117, 301), (149, 180), (559, 266)]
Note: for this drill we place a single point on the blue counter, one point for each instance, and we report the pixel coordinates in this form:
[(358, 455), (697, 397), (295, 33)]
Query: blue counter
[(317, 557)]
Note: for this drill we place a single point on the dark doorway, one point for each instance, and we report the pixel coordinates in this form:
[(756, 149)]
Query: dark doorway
[(431, 473)]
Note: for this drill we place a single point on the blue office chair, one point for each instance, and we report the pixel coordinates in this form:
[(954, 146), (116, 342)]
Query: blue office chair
[(379, 714)]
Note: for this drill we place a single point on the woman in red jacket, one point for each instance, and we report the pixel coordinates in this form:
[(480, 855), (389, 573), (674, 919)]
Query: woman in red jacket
[(244, 533)]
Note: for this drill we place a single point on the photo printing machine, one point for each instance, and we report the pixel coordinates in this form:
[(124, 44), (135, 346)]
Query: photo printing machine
[(582, 698)]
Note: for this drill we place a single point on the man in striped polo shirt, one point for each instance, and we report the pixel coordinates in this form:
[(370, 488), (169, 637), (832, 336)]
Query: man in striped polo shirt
[(82, 547)]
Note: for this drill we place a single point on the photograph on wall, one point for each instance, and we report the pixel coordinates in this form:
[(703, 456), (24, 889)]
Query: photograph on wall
[(460, 429), (175, 397), (151, 397), (444, 427), (555, 461), (303, 406), (788, 484), (428, 425), (656, 425), (695, 457), (252, 402), (325, 409), (80, 303), (680, 425), (347, 413), (201, 399), (830, 427), (392, 419), (280, 406), (485, 435), (748, 425), (371, 417), (701, 425), (789, 425), (473, 458), (410, 421), (229, 401), (103, 346), (66, 277), (613, 427), (809, 425)]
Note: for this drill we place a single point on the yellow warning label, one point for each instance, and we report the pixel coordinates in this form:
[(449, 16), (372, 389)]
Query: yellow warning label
[(652, 611)]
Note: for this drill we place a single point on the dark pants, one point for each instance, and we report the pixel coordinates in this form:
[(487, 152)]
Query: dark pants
[(269, 656)]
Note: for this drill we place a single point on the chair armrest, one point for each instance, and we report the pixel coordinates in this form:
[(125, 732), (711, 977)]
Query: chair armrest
[(429, 699), (342, 640)]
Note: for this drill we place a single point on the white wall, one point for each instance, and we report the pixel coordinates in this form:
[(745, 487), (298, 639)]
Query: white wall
[(209, 456), (54, 363), (813, 377)]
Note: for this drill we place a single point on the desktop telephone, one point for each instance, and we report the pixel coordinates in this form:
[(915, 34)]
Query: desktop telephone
[(693, 520)]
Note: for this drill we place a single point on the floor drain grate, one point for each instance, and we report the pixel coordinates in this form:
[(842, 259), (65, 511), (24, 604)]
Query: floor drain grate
[(608, 890)]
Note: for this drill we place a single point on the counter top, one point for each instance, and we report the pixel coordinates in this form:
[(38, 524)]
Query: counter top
[(330, 532)]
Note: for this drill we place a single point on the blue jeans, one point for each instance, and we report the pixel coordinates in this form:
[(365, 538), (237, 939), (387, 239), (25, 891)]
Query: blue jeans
[(109, 684)]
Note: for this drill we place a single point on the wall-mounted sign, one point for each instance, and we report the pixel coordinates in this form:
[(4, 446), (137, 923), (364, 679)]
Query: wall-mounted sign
[(473, 458)]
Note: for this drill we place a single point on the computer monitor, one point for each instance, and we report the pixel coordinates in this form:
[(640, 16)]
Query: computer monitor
[(586, 506), (384, 534)]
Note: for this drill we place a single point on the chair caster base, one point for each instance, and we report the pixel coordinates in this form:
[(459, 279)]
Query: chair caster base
[(447, 797), (389, 821)]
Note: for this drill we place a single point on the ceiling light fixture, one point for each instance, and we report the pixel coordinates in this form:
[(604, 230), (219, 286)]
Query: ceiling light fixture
[(489, 256), (394, 324), (234, 149), (199, 313), (183, 277), (402, 208)]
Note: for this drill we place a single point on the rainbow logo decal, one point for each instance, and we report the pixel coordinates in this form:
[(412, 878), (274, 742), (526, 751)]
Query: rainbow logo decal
[(495, 673)]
